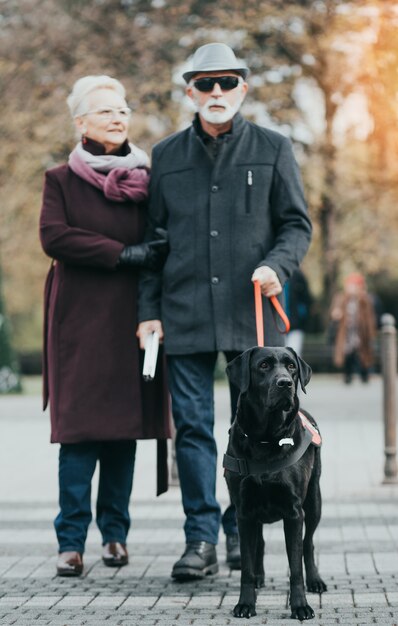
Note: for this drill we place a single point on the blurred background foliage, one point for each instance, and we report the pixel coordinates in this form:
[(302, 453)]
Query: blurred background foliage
[(324, 73)]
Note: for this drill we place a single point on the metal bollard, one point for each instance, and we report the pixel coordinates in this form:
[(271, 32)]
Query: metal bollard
[(389, 371)]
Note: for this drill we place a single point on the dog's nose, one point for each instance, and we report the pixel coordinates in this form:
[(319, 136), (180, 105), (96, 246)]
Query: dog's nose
[(284, 381)]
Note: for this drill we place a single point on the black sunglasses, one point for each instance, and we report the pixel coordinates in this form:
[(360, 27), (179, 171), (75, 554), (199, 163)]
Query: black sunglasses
[(207, 84)]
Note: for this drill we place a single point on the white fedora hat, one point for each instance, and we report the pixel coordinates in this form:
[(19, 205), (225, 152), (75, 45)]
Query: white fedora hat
[(215, 57)]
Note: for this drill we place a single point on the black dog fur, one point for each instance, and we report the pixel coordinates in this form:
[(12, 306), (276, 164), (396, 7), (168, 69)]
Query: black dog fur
[(267, 412)]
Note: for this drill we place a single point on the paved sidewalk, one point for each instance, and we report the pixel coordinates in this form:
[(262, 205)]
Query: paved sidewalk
[(356, 543)]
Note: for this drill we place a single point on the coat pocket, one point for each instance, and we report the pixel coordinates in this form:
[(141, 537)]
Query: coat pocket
[(251, 187), (249, 191)]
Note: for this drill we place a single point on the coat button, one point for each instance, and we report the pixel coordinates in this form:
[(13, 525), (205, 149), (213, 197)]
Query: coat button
[(215, 280), (214, 188), (214, 233)]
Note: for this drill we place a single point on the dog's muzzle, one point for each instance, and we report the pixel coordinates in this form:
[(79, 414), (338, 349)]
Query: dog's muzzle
[(284, 382), (281, 394)]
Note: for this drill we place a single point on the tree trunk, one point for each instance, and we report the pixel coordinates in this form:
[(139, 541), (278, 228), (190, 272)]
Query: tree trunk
[(328, 209)]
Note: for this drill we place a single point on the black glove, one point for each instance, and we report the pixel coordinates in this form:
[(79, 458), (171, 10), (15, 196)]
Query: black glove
[(151, 254)]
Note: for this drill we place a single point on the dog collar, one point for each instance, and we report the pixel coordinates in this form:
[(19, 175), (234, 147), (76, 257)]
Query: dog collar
[(281, 442), (247, 467), (247, 436), (286, 441)]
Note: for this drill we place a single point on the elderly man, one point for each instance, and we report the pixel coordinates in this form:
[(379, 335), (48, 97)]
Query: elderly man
[(230, 196)]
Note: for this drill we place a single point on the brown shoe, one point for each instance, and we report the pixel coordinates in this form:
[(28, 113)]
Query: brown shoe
[(69, 564), (115, 554)]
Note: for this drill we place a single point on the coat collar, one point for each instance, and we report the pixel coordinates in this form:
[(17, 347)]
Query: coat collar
[(97, 148), (227, 143), (238, 122)]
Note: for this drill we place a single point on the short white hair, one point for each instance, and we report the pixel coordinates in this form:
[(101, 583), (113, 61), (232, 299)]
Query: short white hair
[(77, 99)]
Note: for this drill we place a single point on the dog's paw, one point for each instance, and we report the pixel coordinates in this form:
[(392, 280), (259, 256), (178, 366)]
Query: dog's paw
[(245, 610), (302, 613), (260, 581), (316, 585)]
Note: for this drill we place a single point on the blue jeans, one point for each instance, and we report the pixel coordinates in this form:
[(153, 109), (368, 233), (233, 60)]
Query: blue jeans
[(77, 463), (191, 384)]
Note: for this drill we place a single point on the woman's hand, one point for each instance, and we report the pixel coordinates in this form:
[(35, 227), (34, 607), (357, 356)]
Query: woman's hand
[(147, 328), (151, 254)]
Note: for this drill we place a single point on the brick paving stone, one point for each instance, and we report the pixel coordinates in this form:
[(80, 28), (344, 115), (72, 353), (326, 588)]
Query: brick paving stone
[(374, 532), (42, 601), (370, 599), (137, 567), (330, 564), (275, 565), (142, 622), (74, 601), (353, 533), (160, 566), (12, 601), (6, 562), (38, 622), (205, 601), (99, 571), (23, 567), (107, 602), (360, 563), (28, 612), (134, 602), (171, 602), (336, 600), (393, 530), (274, 601), (392, 598), (330, 533), (47, 569), (385, 562)]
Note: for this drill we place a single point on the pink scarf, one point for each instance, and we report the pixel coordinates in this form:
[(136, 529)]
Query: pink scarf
[(118, 184)]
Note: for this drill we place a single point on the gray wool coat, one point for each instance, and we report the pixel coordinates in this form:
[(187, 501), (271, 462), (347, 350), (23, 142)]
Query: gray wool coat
[(224, 218)]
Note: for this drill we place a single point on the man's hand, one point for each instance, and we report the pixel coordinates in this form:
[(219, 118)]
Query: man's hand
[(269, 281), (147, 328)]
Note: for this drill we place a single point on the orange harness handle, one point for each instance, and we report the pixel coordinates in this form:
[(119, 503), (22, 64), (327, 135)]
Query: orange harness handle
[(259, 314)]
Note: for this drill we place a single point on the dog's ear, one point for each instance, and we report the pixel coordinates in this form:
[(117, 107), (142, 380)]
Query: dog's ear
[(304, 370), (238, 370)]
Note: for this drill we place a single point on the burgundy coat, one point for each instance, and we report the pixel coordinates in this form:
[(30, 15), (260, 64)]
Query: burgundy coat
[(92, 362)]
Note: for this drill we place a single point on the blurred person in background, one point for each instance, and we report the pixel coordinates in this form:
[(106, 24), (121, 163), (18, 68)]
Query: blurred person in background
[(298, 309), (353, 317), (92, 225)]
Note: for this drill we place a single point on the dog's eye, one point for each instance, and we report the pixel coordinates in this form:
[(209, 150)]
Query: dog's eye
[(291, 366), (264, 365)]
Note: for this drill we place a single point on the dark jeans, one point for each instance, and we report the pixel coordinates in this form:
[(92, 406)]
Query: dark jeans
[(352, 365), (191, 383), (76, 468)]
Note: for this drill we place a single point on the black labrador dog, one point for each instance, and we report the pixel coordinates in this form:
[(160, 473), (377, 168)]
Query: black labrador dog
[(272, 468)]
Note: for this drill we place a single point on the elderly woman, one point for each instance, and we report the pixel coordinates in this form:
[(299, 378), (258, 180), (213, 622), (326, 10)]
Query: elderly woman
[(92, 225), (353, 316)]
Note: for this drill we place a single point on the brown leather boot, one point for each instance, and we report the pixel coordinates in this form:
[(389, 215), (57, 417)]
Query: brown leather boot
[(69, 564), (115, 554)]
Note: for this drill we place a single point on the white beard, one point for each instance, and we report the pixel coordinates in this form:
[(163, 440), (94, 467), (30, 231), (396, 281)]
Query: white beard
[(219, 117)]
